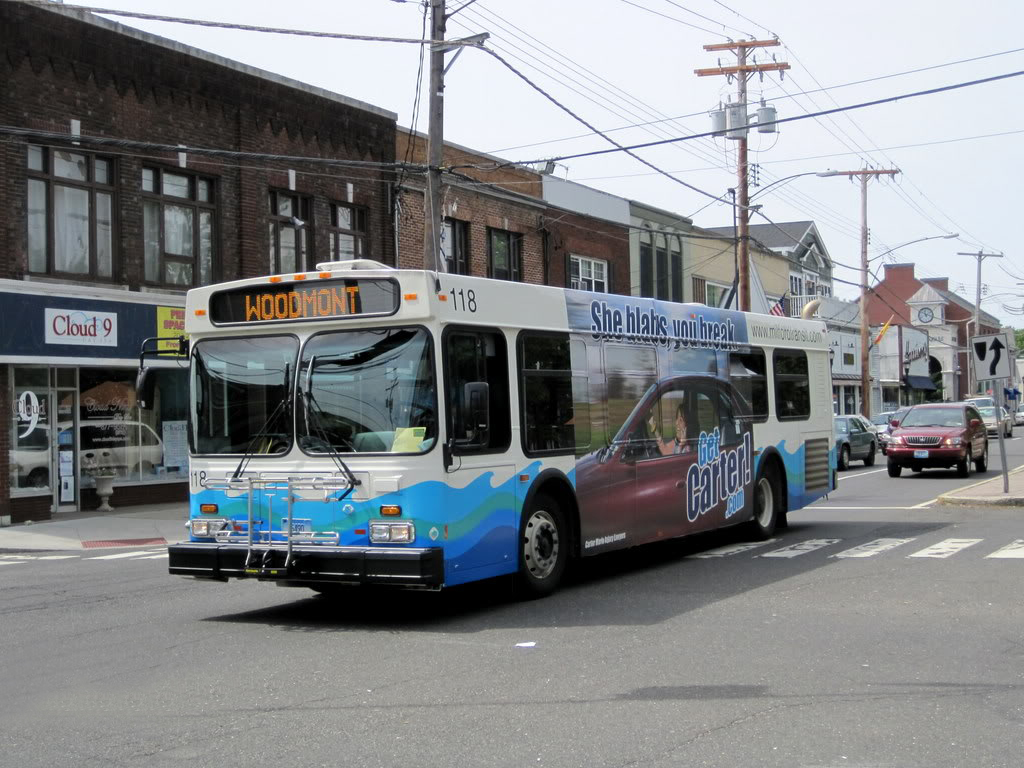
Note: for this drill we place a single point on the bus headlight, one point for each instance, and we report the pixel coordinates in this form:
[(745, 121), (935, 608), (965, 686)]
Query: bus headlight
[(392, 533), (207, 528)]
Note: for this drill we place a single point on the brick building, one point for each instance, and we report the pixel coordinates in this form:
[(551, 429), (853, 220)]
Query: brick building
[(106, 225), (498, 222), (927, 304)]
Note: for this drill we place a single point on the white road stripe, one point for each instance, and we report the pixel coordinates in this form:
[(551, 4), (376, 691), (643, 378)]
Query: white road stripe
[(17, 557), (733, 549), (11, 562), (1015, 550), (801, 548), (872, 548), (946, 548), (120, 555), (861, 474), (161, 556)]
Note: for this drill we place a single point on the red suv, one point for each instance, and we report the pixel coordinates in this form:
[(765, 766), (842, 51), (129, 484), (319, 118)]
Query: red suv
[(939, 435)]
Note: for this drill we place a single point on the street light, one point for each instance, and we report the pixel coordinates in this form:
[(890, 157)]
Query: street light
[(919, 240), (790, 178)]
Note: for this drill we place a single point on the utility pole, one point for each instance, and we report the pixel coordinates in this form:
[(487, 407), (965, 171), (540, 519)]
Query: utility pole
[(435, 141), (972, 375), (435, 132), (865, 374), (742, 71)]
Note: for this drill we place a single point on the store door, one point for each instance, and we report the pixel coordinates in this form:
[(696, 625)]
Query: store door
[(67, 489)]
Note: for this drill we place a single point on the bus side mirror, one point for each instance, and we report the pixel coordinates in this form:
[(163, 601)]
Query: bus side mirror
[(476, 408), (144, 386)]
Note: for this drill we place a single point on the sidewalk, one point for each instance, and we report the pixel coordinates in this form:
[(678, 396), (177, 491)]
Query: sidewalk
[(148, 525), (990, 490)]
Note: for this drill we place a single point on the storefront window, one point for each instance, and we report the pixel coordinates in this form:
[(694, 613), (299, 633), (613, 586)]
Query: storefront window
[(118, 438), (30, 429)]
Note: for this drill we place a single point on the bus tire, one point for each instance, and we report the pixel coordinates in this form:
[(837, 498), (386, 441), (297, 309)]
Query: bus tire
[(543, 548), (767, 500)]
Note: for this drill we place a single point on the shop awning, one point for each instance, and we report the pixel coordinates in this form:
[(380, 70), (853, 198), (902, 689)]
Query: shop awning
[(921, 382)]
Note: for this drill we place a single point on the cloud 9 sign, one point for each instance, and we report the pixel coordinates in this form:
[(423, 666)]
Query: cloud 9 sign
[(80, 327)]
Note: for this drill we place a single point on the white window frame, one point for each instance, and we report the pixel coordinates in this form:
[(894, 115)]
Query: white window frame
[(586, 264)]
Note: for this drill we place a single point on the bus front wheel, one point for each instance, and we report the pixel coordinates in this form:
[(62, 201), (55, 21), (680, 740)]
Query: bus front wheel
[(543, 548), (766, 506)]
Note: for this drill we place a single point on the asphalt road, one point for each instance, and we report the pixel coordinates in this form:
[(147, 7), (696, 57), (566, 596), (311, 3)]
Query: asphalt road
[(878, 630)]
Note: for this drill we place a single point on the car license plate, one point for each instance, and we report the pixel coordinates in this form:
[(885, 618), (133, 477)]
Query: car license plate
[(920, 454)]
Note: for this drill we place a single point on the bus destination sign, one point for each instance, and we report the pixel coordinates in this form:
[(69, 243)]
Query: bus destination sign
[(317, 300)]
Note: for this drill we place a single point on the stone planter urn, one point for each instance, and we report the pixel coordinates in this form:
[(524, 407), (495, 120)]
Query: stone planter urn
[(104, 489)]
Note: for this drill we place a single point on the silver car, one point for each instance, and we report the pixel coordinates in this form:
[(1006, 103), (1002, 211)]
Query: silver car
[(996, 419)]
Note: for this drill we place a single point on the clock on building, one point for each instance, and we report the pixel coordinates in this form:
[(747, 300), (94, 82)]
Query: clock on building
[(925, 315)]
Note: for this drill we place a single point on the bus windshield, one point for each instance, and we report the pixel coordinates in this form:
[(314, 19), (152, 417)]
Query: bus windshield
[(241, 389), (367, 391)]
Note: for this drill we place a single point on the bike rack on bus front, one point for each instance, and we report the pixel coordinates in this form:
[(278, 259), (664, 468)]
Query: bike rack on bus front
[(290, 484)]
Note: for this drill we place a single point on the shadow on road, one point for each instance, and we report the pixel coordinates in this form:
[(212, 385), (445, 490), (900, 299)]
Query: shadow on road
[(645, 585)]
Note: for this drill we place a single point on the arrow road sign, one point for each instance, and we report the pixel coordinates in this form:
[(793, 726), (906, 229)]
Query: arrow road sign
[(991, 360)]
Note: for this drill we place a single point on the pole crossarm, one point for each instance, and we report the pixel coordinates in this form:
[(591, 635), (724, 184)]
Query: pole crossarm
[(775, 66), (734, 45)]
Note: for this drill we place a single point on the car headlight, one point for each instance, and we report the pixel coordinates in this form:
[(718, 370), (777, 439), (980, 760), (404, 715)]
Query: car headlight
[(896, 439), (952, 441)]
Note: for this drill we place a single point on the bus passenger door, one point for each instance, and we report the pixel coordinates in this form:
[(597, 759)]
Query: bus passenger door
[(477, 522)]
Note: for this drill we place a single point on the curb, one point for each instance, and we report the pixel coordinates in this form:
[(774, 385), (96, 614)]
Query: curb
[(981, 501)]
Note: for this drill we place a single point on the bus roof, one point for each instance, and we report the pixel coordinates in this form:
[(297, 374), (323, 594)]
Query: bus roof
[(364, 293)]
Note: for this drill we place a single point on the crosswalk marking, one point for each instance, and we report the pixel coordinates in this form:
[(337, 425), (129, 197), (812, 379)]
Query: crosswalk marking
[(872, 548), (1014, 550), (801, 548), (733, 549), (946, 548), (121, 555)]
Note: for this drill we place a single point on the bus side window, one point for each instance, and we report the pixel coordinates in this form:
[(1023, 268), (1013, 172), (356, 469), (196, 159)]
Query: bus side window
[(477, 356), (728, 420)]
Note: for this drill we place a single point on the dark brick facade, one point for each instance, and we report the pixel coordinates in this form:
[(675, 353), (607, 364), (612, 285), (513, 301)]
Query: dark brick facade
[(61, 64)]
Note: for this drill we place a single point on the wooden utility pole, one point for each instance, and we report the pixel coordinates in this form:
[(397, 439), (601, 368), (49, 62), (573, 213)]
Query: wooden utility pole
[(741, 71), (865, 373), (435, 141)]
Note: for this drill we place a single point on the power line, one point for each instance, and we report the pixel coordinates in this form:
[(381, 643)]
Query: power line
[(780, 121)]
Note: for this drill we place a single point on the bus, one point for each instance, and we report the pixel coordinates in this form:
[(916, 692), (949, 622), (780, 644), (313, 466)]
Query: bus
[(360, 424)]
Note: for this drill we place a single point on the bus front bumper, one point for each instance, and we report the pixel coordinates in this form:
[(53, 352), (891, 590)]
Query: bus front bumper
[(403, 567)]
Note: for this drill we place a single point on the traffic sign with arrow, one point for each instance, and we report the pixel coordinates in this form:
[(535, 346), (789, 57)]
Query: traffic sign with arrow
[(991, 357)]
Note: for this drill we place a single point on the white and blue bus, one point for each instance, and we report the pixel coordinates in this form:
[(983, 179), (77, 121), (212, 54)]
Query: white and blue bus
[(365, 425)]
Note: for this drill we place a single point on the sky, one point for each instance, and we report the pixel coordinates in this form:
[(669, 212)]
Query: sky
[(626, 68)]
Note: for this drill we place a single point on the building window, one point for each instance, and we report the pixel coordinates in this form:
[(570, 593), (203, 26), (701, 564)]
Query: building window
[(70, 213), (646, 265), (455, 245), (177, 222), (504, 254), (347, 232), (699, 290), (588, 274), (289, 232), (715, 294)]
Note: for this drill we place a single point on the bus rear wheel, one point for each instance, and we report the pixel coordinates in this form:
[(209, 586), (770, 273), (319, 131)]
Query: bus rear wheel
[(766, 506), (543, 548)]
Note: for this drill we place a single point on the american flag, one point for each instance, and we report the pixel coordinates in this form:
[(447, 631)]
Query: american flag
[(780, 307)]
